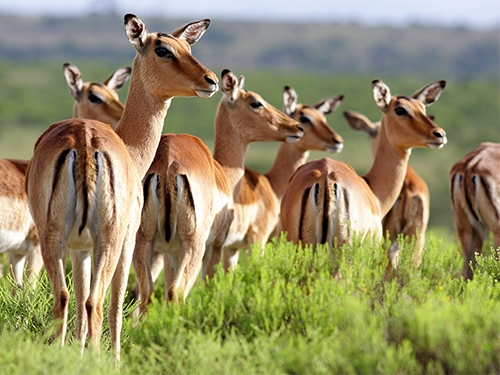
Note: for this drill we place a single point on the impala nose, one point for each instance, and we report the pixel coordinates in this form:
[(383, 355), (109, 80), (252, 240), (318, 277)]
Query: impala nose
[(210, 81)]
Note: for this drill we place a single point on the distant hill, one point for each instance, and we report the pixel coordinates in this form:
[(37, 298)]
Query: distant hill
[(319, 47)]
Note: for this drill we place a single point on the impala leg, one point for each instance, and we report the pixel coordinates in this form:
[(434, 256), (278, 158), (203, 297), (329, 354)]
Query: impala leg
[(81, 265), (142, 266), (170, 265), (189, 267), (230, 258), (17, 261), (34, 263), (471, 239), (211, 259), (54, 259), (107, 251), (118, 289)]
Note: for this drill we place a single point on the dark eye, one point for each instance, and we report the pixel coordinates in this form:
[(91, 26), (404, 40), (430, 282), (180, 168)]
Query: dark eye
[(400, 111), (256, 104), (163, 52), (94, 98), (304, 120)]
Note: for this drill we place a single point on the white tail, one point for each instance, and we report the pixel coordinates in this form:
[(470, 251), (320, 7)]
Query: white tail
[(84, 180)]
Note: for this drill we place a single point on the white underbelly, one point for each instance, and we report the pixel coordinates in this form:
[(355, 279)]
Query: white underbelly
[(13, 241)]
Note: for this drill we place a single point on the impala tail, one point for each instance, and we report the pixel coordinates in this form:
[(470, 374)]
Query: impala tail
[(172, 201), (323, 206), (474, 195), (87, 185)]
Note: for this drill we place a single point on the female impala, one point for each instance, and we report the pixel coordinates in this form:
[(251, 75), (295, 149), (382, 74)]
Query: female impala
[(410, 214), (256, 212), (97, 101), (189, 194), (18, 235), (326, 202), (475, 198), (84, 181)]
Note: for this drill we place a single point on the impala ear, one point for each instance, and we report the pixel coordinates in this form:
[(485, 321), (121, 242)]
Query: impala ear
[(193, 31), (289, 100), (430, 93), (116, 80), (381, 94), (135, 30), (330, 104), (74, 79), (230, 85), (241, 82), (360, 122)]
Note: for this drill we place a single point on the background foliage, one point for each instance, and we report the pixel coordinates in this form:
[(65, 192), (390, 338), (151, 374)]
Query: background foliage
[(287, 312)]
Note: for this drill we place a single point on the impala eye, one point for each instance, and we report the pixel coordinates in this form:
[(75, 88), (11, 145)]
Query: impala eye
[(94, 98), (256, 105), (400, 111), (304, 120), (163, 52)]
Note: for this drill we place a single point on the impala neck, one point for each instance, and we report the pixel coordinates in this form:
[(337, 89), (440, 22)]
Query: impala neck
[(142, 122), (387, 173), (229, 150), (288, 159)]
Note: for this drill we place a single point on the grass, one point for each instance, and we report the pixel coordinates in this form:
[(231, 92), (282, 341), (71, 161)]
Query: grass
[(289, 312)]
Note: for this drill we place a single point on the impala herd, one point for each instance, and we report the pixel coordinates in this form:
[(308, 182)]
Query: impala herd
[(109, 188)]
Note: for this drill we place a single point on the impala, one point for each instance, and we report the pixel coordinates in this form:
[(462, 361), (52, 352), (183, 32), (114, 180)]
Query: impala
[(410, 214), (84, 180), (97, 101), (256, 211), (18, 235), (189, 193), (475, 198), (326, 202)]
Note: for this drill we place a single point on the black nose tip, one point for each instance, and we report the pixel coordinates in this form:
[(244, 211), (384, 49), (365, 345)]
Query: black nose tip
[(210, 80), (300, 128), (336, 141), (438, 134)]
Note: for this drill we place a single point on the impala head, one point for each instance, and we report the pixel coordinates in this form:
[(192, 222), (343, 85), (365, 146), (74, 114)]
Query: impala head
[(259, 119), (93, 100), (165, 63), (360, 122), (405, 120), (318, 134)]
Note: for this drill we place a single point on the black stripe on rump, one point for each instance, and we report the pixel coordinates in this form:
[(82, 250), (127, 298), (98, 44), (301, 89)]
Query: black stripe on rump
[(326, 202), (305, 197), (467, 198)]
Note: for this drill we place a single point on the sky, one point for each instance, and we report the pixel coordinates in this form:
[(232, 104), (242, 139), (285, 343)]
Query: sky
[(477, 14)]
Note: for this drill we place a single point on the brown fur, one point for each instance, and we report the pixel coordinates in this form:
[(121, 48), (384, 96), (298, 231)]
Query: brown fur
[(410, 214), (343, 203), (475, 198), (13, 172), (200, 225), (257, 206), (84, 181)]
